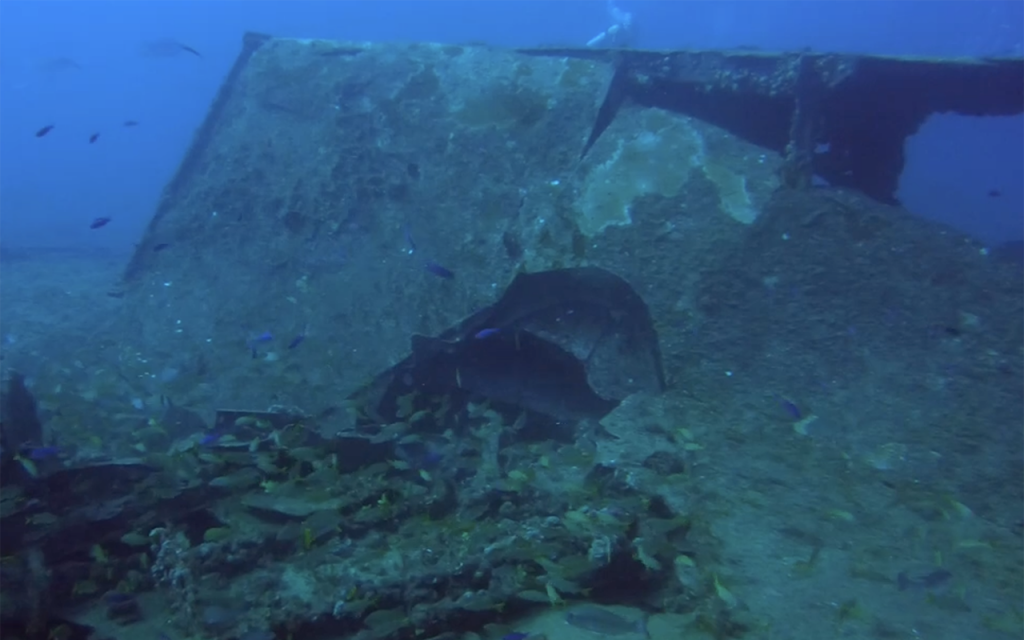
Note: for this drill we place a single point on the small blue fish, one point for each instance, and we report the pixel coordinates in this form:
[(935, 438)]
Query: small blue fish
[(297, 340), (486, 333), (266, 336), (424, 455), (515, 635), (210, 438), (790, 408), (40, 453), (438, 270), (116, 597)]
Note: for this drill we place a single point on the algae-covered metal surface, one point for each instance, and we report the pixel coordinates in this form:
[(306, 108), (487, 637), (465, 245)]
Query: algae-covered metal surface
[(331, 181), (342, 197)]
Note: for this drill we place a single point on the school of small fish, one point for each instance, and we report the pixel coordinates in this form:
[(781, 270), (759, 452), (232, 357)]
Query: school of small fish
[(156, 49)]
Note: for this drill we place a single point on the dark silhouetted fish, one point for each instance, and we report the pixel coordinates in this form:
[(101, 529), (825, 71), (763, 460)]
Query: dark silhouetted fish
[(297, 340), (190, 50), (93, 138), (20, 423), (166, 48), (929, 581), (131, 123), (438, 270), (99, 222), (45, 130)]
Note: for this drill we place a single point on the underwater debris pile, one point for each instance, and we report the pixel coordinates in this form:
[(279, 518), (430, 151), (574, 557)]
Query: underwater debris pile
[(449, 514), (461, 524)]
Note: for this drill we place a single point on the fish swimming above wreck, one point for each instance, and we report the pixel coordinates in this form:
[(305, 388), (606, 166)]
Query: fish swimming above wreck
[(166, 48)]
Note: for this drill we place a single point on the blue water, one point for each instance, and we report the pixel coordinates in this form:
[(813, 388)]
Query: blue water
[(50, 189)]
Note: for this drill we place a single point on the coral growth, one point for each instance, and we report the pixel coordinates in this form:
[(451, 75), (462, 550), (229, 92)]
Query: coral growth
[(173, 570)]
